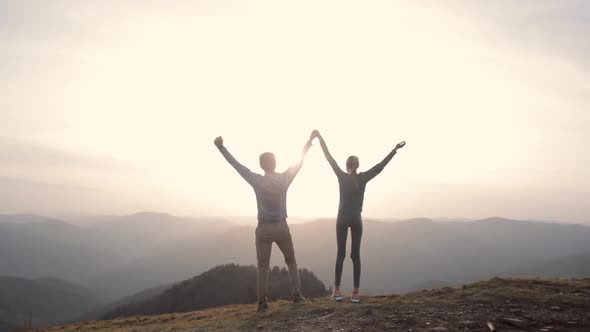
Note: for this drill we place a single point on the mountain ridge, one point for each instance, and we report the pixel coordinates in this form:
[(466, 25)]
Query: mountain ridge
[(123, 259)]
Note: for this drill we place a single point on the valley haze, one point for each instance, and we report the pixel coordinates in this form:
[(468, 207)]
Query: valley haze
[(121, 255), (100, 261)]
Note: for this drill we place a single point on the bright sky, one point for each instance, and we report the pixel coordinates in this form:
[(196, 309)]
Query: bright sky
[(112, 106)]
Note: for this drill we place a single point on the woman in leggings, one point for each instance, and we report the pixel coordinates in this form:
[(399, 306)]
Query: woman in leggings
[(352, 190)]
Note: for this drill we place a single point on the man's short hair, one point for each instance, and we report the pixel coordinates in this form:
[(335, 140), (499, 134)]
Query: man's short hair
[(268, 162)]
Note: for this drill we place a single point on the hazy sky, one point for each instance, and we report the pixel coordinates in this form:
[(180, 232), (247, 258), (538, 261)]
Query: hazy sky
[(112, 106)]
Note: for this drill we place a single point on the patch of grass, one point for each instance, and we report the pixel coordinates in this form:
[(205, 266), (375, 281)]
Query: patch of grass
[(284, 315)]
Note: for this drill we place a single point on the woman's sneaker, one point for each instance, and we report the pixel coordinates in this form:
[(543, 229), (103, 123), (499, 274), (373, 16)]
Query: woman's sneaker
[(355, 297), (337, 296)]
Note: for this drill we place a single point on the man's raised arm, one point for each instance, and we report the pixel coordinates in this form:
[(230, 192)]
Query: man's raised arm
[(246, 173), (294, 169), (375, 170)]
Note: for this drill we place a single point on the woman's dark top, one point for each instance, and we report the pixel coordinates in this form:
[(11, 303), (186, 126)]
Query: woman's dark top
[(351, 193)]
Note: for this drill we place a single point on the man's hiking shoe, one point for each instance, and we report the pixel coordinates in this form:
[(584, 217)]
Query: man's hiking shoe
[(355, 297), (337, 296), (262, 306), (297, 298)]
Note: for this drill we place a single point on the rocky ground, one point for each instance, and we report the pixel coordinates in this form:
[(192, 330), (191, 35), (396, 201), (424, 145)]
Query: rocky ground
[(499, 304)]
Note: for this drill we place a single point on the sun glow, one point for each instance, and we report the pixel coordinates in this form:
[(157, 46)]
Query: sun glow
[(172, 85), (160, 86)]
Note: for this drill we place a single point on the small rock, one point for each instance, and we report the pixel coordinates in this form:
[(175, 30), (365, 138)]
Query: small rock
[(491, 327), (572, 322), (515, 311), (514, 322), (555, 308)]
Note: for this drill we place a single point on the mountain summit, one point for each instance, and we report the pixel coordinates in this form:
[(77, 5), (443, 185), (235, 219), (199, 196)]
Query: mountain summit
[(498, 304)]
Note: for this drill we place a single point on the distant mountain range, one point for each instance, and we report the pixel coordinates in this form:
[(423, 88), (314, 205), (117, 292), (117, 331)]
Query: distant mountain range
[(577, 266), (23, 218), (43, 301), (124, 255), (33, 246), (120, 256)]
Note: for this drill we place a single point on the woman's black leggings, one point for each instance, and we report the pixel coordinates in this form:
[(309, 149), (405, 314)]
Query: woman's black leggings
[(356, 233)]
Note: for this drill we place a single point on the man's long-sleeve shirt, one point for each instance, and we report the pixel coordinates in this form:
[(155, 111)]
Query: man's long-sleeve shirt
[(270, 189)]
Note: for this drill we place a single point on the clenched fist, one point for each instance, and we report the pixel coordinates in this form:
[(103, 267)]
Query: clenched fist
[(400, 145), (218, 142)]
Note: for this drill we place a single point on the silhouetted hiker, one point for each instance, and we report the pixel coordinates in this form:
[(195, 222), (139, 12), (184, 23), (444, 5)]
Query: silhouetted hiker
[(352, 191), (271, 198)]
